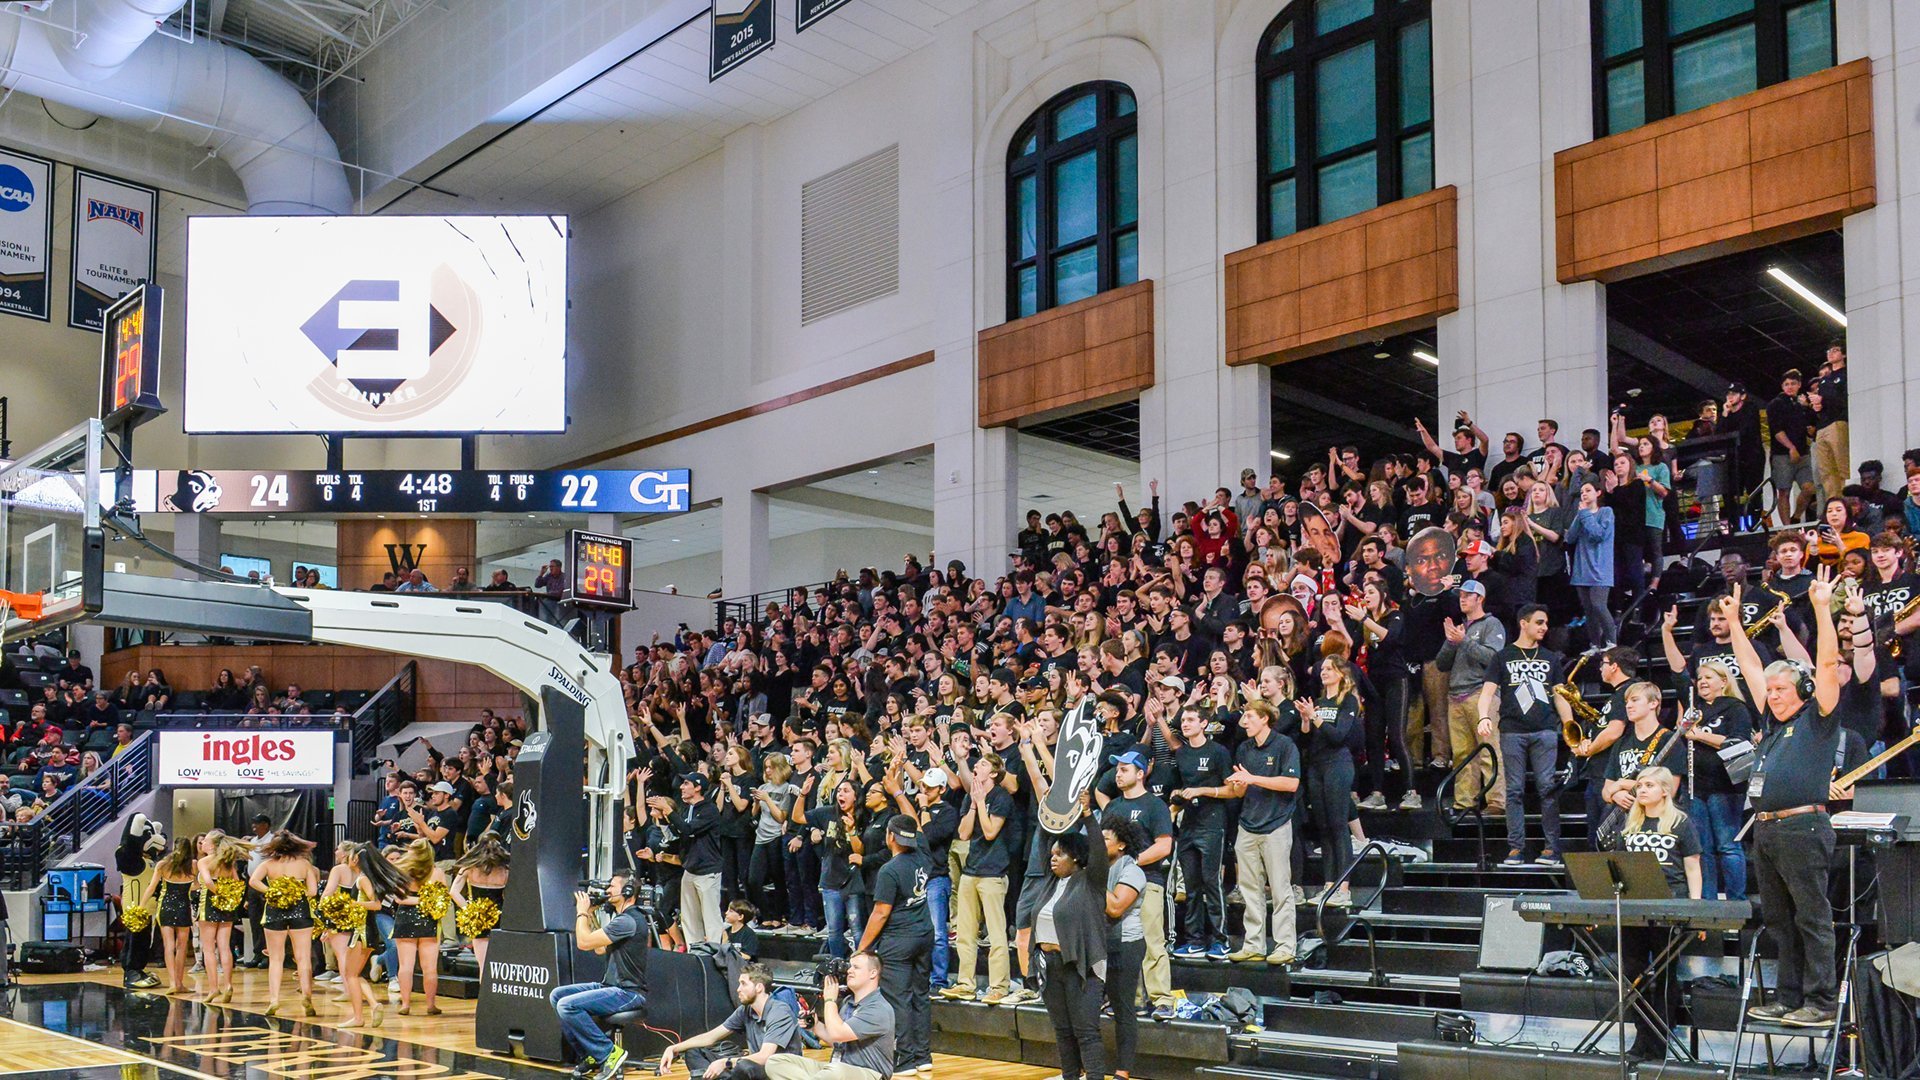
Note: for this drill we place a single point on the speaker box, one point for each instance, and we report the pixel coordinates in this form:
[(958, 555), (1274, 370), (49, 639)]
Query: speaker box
[(45, 958), (1507, 941)]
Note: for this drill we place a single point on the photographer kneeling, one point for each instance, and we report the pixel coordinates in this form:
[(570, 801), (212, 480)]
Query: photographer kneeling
[(623, 940), (860, 1029), (763, 1022)]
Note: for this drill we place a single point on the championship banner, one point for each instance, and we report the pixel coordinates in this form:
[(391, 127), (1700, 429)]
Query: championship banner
[(1076, 765), (741, 30), (26, 233), (812, 11), (113, 244)]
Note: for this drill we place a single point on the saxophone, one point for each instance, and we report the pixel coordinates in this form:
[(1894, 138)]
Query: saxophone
[(1585, 716), (1760, 625)]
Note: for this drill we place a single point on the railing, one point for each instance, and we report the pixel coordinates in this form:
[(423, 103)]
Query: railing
[(359, 826), (92, 803), (1356, 911), (1443, 795), (527, 602), (385, 714), (751, 609)]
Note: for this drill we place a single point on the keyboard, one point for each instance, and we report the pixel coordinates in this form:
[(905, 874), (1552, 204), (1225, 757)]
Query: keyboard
[(1569, 909)]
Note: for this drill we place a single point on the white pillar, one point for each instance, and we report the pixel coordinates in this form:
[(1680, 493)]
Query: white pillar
[(1512, 85), (1883, 244), (744, 546), (976, 512)]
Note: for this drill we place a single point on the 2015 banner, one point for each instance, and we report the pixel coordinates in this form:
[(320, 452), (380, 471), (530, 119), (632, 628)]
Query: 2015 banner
[(113, 244), (808, 12), (26, 233), (742, 29)]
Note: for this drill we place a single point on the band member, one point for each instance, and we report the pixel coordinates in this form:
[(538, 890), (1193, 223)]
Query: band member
[(1793, 836), (1723, 718), (1531, 715), (1635, 750), (1617, 667), (1656, 824)]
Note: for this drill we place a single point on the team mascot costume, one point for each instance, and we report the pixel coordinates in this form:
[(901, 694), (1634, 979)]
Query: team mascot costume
[(141, 844)]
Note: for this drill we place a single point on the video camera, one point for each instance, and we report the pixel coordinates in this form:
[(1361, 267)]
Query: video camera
[(600, 893), (833, 967)]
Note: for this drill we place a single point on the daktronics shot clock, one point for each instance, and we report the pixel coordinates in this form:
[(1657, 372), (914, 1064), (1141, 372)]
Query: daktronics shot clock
[(600, 569), (130, 359)]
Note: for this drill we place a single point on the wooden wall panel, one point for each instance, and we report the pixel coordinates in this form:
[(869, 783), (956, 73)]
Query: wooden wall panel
[(1781, 162), (1391, 269), (1072, 355), (447, 691), (362, 547)]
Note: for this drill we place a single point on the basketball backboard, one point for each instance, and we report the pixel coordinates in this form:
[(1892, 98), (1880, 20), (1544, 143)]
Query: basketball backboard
[(50, 502)]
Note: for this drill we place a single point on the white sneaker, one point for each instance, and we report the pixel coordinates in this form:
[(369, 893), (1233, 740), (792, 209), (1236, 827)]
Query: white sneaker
[(197, 968), (1299, 896), (1375, 801), (1411, 801)]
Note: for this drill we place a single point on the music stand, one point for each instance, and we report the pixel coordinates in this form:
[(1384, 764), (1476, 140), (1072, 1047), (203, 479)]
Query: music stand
[(1620, 876)]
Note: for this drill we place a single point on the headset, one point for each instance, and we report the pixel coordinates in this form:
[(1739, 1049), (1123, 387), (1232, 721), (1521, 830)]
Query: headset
[(1802, 680)]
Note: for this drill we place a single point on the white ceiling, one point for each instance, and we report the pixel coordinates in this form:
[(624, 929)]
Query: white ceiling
[(656, 112)]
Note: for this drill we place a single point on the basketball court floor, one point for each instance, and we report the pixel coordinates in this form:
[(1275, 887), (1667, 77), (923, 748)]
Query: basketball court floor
[(87, 1026)]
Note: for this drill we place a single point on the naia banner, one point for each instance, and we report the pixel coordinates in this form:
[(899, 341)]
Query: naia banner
[(741, 30), (26, 233), (810, 11), (113, 244)]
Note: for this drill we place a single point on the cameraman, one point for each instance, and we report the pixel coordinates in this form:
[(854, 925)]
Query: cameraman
[(623, 940), (900, 933), (861, 1031), (762, 1021)]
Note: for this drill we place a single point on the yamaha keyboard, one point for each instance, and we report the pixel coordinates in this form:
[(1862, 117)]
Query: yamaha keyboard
[(1569, 909)]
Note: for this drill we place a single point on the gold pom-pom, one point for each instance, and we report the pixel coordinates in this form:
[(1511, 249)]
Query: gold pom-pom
[(340, 912), (285, 892), (478, 917), (136, 918), (228, 894), (435, 900)]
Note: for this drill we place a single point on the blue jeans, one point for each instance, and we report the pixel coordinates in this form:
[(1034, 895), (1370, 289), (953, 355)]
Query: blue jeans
[(843, 911), (389, 960), (1523, 754), (580, 1006), (939, 902), (1723, 860)]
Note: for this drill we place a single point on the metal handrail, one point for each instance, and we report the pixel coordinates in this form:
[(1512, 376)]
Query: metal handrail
[(1452, 816), (1356, 911), (91, 803), (384, 715), (750, 609)]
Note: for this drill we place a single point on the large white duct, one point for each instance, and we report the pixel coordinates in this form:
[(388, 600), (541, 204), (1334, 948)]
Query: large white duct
[(207, 94)]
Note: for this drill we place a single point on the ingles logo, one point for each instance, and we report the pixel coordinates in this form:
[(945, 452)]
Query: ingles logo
[(16, 190), (134, 219), (246, 749)]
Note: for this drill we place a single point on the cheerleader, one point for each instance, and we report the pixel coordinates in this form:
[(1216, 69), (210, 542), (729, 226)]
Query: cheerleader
[(222, 894), (337, 919), (416, 923), (172, 885), (479, 884), (377, 883), (287, 881)]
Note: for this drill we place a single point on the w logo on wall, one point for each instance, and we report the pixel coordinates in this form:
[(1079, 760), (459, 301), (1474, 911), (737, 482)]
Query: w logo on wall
[(405, 558)]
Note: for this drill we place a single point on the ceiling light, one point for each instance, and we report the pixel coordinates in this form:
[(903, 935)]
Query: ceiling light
[(1282, 455), (1807, 294), (1382, 355), (873, 472), (1422, 354), (676, 539)]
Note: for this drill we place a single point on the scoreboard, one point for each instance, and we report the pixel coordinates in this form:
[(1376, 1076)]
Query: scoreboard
[(599, 569), (130, 358), (411, 491)]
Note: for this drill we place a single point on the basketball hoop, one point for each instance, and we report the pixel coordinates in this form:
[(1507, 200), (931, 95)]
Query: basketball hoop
[(28, 606)]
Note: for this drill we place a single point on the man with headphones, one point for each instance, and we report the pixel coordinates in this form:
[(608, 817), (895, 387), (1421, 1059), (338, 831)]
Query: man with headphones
[(623, 941), (1792, 835)]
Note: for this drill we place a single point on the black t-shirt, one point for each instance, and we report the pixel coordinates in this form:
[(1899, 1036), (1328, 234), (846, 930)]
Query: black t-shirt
[(1673, 849), (1203, 766), (1500, 470), (1709, 649), (936, 836), (1261, 810), (627, 955), (1884, 599), (746, 939), (1730, 718), (1631, 753), (1415, 518), (1457, 463), (1156, 820), (902, 882), (442, 819), (1859, 708), (835, 845), (1338, 721), (992, 858), (1788, 417), (1833, 398), (1525, 678), (1796, 760)]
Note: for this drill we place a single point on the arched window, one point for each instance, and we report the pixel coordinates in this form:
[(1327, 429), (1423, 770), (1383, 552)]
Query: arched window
[(1073, 200), (1658, 58), (1346, 110)]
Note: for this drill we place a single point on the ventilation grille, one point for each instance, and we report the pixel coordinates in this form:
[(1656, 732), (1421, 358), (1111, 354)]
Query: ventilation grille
[(850, 236)]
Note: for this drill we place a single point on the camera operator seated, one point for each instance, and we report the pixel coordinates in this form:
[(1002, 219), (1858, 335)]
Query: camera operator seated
[(623, 940), (763, 1022), (860, 1029)]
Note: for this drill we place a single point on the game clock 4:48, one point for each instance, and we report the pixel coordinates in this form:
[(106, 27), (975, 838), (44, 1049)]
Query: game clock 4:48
[(600, 569)]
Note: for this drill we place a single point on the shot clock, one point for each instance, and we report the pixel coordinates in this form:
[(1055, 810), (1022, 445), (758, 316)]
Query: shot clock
[(600, 569), (130, 359)]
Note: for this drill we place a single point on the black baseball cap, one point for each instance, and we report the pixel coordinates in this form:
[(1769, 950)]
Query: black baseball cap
[(905, 830)]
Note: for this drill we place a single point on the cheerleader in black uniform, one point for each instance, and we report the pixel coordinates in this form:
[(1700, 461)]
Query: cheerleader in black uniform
[(287, 881), (377, 883), (416, 928), (481, 874), (221, 862), (172, 882)]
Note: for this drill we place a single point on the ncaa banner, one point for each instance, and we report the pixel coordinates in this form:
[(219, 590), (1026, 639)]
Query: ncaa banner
[(26, 233), (742, 29), (812, 11), (113, 244)]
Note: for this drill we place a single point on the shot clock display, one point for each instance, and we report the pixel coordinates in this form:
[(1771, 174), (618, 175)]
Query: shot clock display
[(600, 569), (130, 359)]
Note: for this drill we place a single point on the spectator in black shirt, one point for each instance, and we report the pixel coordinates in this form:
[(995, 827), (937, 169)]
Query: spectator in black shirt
[(696, 821), (1788, 418)]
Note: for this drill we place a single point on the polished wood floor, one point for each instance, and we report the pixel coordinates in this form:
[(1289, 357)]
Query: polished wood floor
[(452, 1031)]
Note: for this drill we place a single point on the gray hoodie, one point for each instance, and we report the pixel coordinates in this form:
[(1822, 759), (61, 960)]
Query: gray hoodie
[(1466, 663)]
